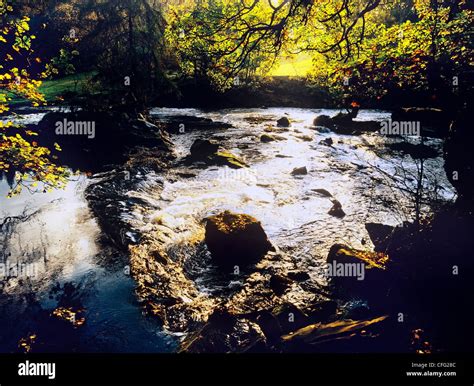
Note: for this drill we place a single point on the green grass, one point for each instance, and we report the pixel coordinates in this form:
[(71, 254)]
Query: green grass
[(52, 89)]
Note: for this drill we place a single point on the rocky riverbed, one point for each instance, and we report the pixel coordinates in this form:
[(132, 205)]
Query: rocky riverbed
[(284, 198)]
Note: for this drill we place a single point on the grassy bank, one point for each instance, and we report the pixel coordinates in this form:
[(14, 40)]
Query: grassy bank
[(57, 89)]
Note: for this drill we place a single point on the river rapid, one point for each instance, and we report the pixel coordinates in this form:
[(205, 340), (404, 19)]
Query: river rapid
[(81, 297)]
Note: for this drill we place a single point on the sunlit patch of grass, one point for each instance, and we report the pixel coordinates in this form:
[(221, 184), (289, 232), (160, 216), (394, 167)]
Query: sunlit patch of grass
[(54, 90)]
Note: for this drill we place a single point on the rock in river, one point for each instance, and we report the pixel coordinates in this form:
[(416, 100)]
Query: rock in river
[(323, 120), (283, 122), (235, 239), (336, 209), (270, 138), (202, 148), (299, 171)]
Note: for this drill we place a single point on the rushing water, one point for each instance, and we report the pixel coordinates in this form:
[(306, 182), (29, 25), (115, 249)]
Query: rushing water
[(57, 231), (54, 239)]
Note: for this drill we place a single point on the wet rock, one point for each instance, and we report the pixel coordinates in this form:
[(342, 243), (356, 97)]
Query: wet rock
[(322, 192), (283, 122), (178, 123), (344, 118), (270, 138), (267, 138), (306, 138), (344, 254), (271, 129), (235, 239), (119, 133), (299, 171), (326, 142), (336, 209), (343, 123), (315, 333), (207, 151), (225, 333), (324, 121), (228, 159), (298, 275), (256, 120), (280, 284), (202, 148)]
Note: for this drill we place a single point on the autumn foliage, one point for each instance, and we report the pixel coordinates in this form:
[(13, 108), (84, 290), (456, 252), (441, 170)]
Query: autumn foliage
[(22, 160)]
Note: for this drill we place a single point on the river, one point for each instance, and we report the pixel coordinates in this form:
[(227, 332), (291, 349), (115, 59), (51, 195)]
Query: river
[(58, 232)]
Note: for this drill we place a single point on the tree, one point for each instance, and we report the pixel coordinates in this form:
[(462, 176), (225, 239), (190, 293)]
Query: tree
[(22, 160), (427, 53), (125, 39), (222, 38)]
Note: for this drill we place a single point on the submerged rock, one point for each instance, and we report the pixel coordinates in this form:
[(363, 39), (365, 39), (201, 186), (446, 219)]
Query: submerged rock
[(235, 239)]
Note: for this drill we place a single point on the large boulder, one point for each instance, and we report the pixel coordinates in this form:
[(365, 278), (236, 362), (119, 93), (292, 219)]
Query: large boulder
[(235, 239), (203, 148)]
